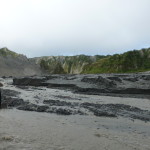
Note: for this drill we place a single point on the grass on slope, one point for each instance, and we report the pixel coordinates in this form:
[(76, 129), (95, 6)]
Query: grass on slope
[(131, 61), (67, 64), (5, 52)]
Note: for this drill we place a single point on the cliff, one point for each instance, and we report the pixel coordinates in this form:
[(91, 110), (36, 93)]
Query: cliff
[(66, 64), (13, 64)]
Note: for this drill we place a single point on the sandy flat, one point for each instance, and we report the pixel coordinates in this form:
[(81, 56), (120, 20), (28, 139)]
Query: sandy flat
[(24, 130)]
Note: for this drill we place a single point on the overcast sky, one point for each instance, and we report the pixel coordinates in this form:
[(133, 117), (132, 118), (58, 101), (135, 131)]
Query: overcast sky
[(71, 27)]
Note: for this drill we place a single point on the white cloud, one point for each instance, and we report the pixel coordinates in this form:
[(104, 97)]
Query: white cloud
[(68, 27)]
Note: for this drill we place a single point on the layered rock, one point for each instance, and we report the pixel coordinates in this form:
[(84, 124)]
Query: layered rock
[(99, 84)]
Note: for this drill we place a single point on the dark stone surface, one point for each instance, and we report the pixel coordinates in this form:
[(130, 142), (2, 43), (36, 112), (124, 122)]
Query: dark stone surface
[(42, 108), (71, 108), (28, 107), (115, 79), (1, 85), (29, 81), (9, 99), (14, 102), (57, 103), (8, 92), (145, 77), (63, 111), (131, 79), (99, 81), (116, 110)]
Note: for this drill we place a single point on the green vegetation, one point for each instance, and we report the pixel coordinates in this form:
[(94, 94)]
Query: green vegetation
[(52, 66), (131, 61), (67, 64), (5, 52), (75, 62)]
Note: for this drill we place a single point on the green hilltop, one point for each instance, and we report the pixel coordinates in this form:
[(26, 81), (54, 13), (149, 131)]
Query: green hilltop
[(5, 52)]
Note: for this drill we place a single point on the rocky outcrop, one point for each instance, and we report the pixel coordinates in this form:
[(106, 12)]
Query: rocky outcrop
[(30, 81), (100, 81), (135, 85)]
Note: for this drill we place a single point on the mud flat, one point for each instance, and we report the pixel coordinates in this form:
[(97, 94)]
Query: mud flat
[(70, 112), (20, 130)]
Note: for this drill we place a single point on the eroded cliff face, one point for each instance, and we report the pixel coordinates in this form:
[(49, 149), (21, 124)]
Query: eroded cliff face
[(65, 64), (131, 61), (13, 64)]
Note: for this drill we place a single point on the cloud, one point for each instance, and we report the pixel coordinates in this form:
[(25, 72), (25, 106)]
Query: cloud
[(69, 27)]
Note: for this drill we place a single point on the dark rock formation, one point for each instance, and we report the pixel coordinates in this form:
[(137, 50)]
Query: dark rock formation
[(1, 84), (115, 79), (127, 84), (42, 108), (99, 81), (10, 99), (116, 110), (30, 81), (28, 107), (57, 103), (62, 111)]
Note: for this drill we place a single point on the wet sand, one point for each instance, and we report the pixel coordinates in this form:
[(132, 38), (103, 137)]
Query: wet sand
[(20, 130)]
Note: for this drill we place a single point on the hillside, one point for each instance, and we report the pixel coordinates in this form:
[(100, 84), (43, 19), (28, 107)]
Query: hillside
[(66, 64), (131, 61), (13, 64)]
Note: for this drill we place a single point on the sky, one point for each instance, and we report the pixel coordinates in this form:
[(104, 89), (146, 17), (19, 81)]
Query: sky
[(72, 27)]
